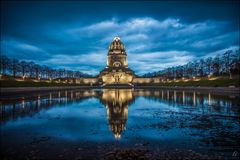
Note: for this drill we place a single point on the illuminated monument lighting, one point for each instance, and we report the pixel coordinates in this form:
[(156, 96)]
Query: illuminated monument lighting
[(116, 71)]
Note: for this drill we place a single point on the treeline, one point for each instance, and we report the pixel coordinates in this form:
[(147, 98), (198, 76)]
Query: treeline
[(15, 68), (227, 63), (224, 64)]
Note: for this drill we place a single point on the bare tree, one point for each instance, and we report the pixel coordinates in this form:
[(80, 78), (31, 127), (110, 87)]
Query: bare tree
[(23, 67), (14, 67), (5, 61), (226, 61), (216, 65), (201, 67), (209, 65), (37, 69)]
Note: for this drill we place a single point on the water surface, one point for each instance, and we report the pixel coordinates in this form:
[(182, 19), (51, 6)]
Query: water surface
[(75, 122)]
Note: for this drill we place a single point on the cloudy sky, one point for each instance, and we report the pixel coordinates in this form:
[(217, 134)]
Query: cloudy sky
[(158, 34)]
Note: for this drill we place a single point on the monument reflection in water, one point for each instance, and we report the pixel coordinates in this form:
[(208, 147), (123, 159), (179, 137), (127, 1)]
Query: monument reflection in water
[(117, 102)]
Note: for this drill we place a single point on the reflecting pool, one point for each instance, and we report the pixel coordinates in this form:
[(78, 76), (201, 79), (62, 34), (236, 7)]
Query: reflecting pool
[(85, 124)]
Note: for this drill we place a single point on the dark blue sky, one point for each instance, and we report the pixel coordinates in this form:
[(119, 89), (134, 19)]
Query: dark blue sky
[(157, 34)]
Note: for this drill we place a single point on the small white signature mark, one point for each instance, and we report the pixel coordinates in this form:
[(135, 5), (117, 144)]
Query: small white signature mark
[(235, 154)]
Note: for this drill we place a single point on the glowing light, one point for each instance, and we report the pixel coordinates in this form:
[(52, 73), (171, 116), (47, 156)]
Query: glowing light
[(183, 97), (50, 98), (213, 78), (197, 79), (209, 99), (117, 136), (71, 95), (23, 103), (194, 98), (116, 38), (175, 96), (39, 101)]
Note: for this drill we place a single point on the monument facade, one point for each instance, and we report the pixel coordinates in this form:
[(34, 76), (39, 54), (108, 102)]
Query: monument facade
[(116, 70)]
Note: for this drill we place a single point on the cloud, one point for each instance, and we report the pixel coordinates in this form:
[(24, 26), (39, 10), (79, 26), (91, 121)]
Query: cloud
[(155, 61), (93, 58), (129, 29), (152, 44), (108, 24), (170, 33), (135, 37), (210, 42), (28, 47), (90, 63), (22, 50)]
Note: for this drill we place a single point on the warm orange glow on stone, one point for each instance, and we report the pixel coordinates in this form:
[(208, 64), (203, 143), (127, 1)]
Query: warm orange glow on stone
[(116, 71)]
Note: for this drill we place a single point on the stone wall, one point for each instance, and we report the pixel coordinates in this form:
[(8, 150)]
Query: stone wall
[(124, 78), (89, 81), (146, 80)]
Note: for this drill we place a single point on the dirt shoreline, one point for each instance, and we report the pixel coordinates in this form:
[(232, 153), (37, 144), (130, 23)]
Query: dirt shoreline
[(232, 90)]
